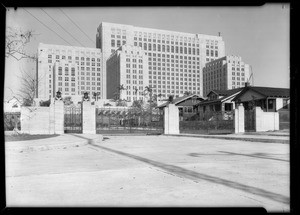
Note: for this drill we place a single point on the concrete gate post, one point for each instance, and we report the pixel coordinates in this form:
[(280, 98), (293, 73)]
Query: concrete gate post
[(239, 119), (88, 118), (58, 106), (171, 119)]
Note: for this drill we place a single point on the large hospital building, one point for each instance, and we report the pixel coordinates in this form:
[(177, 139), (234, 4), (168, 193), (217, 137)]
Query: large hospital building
[(175, 59), (169, 62), (225, 73), (68, 69)]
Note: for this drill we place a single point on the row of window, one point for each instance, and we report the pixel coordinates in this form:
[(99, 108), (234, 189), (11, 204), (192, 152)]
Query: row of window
[(73, 89), (88, 69), (168, 37), (88, 64), (172, 69), (159, 60), (167, 48), (128, 65), (173, 56), (238, 78), (71, 51), (237, 69), (118, 36), (165, 41), (134, 60), (134, 76), (117, 43), (173, 66), (182, 73), (212, 53), (71, 58), (88, 74)]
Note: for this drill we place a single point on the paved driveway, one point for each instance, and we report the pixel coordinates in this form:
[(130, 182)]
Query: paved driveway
[(152, 171)]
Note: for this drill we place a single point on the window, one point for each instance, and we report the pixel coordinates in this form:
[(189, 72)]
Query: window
[(66, 71), (285, 103)]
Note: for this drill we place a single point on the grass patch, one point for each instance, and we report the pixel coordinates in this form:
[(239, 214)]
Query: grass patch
[(24, 137)]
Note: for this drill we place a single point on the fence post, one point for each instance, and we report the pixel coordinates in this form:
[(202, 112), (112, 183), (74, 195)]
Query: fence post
[(171, 122), (239, 117), (88, 118)]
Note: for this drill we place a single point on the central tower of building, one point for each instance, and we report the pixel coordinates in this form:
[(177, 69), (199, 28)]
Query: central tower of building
[(175, 59)]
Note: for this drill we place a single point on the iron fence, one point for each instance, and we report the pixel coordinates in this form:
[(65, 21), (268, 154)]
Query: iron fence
[(72, 119), (208, 123), (284, 119), (128, 120)]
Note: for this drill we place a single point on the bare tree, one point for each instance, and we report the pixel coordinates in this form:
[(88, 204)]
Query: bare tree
[(28, 87), (16, 41)]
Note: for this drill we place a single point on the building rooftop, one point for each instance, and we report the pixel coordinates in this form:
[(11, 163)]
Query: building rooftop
[(178, 100), (166, 31), (267, 92)]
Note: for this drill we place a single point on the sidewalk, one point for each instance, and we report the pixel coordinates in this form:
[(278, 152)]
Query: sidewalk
[(265, 137), (61, 141)]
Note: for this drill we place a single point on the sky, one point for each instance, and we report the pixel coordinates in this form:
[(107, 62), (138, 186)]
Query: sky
[(259, 34)]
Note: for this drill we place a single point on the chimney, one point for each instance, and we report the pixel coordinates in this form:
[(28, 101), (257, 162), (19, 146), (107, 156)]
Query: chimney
[(219, 34)]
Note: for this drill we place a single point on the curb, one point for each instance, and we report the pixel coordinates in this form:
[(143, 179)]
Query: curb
[(263, 140), (44, 147)]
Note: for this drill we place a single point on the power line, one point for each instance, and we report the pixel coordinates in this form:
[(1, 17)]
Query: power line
[(46, 26), (77, 26), (62, 27)]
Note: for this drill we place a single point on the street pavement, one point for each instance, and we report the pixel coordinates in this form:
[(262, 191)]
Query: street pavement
[(94, 170)]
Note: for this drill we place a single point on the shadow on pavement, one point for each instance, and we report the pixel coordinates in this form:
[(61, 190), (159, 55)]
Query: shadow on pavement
[(196, 176), (256, 155)]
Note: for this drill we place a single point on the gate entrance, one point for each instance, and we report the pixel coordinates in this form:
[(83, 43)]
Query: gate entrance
[(249, 121), (73, 119)]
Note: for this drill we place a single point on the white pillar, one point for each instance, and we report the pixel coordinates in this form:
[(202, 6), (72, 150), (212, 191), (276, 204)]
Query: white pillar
[(259, 119), (171, 119), (239, 119), (59, 117), (88, 118)]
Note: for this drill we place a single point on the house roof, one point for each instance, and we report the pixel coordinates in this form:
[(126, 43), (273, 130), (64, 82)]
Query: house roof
[(266, 91), (178, 100), (15, 98), (225, 93)]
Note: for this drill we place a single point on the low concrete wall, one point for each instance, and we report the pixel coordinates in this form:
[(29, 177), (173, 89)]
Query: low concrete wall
[(266, 121), (43, 120), (35, 120)]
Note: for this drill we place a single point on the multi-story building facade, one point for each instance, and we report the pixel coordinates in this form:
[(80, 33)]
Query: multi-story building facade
[(175, 59), (65, 78), (127, 67), (225, 73), (69, 69)]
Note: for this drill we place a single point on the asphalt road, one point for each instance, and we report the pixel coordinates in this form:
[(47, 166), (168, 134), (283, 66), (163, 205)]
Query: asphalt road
[(152, 171)]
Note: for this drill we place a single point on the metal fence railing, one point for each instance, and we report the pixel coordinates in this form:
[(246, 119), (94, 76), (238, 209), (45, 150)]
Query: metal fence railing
[(209, 122), (128, 120), (284, 119)]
